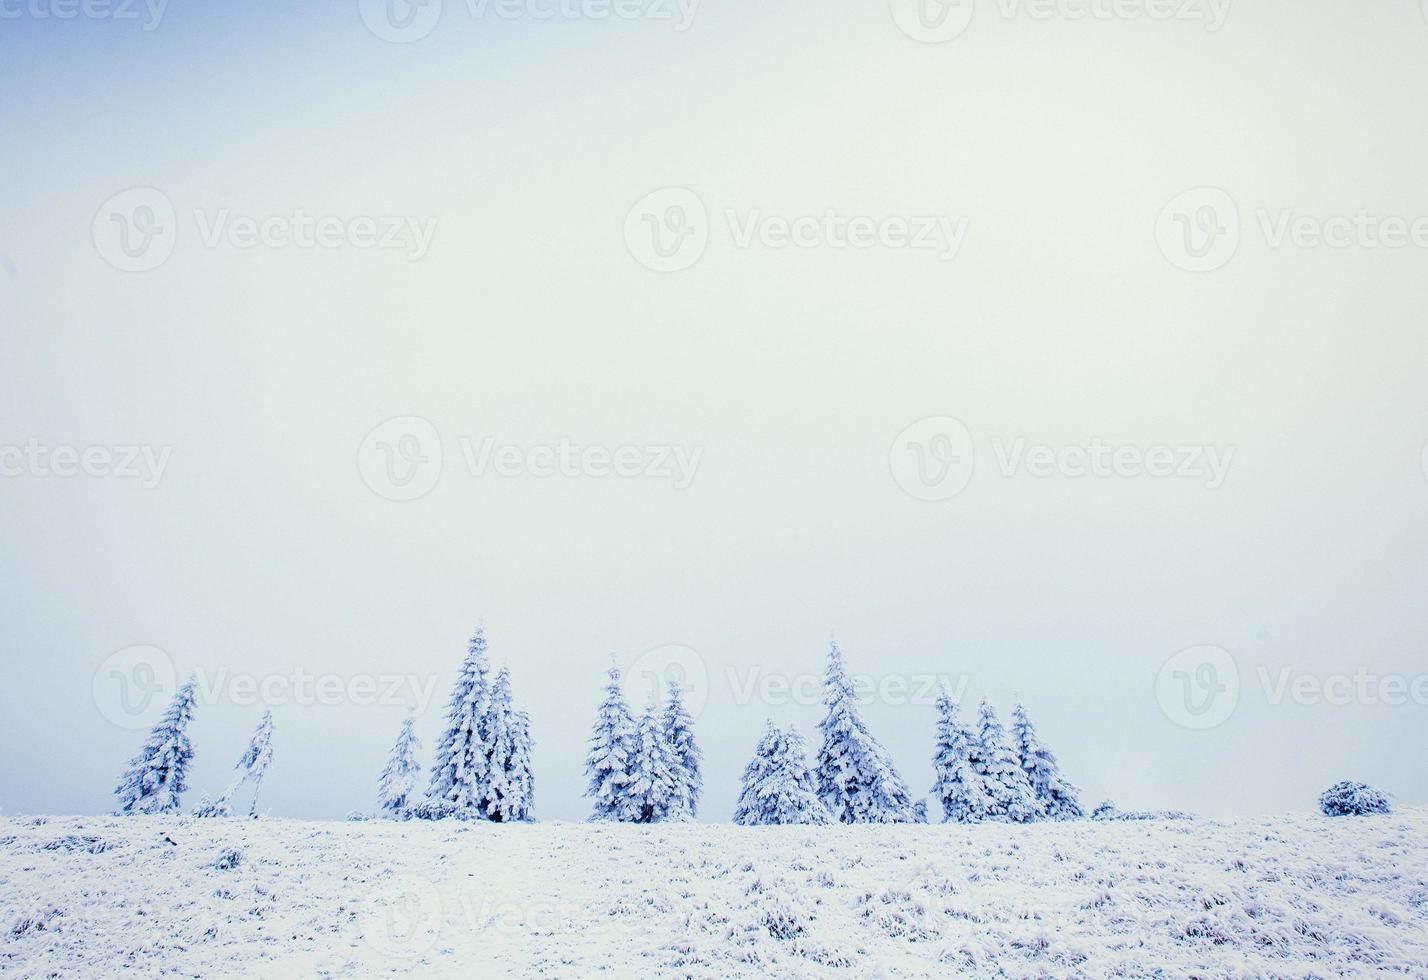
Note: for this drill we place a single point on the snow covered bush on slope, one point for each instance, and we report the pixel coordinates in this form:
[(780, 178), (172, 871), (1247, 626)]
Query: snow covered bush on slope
[(778, 787), (1351, 799)]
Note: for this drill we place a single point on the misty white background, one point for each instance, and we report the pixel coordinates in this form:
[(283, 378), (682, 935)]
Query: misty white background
[(1059, 322)]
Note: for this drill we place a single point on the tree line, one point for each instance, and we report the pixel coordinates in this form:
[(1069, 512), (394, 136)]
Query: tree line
[(649, 770)]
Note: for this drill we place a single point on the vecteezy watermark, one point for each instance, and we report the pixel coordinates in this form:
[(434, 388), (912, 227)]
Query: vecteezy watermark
[(938, 21), (1199, 230), (131, 685), (646, 680), (143, 464), (668, 230), (137, 230), (402, 918), (934, 459), (1199, 688), (401, 459), (406, 21), (150, 12)]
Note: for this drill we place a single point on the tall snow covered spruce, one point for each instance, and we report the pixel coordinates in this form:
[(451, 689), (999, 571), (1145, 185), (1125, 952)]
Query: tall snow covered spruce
[(610, 762), (856, 777), (502, 793), (1009, 796), (959, 787), (522, 778), (778, 786), (654, 781), (679, 734), (458, 775), (396, 792), (253, 764), (158, 775), (1058, 796)]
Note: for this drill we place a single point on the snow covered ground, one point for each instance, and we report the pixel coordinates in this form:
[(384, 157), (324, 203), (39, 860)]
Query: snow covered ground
[(1294, 896)]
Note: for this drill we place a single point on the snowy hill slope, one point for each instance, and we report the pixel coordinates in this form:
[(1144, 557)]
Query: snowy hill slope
[(1286, 897)]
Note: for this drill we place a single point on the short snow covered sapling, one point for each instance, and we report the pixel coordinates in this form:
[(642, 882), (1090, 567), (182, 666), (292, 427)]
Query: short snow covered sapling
[(396, 791)]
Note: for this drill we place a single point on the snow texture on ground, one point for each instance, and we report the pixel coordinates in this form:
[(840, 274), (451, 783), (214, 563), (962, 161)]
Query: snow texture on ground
[(1298, 896)]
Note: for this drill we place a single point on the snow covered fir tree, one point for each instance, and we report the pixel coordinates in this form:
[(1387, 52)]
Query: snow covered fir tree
[(1007, 793), (158, 776), (504, 796), (856, 777), (959, 788), (1058, 796), (646, 771), (688, 760), (396, 790), (482, 767), (778, 786), (610, 761), (459, 772)]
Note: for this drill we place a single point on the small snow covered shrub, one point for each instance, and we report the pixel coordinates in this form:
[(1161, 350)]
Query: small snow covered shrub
[(212, 808), (1351, 799), (436, 810), (228, 859)]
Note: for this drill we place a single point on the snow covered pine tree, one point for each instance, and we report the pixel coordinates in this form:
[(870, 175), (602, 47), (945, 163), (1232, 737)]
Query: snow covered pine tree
[(459, 773), (522, 778), (1009, 797), (158, 775), (502, 792), (397, 790), (1059, 797), (679, 735), (856, 778), (608, 766), (959, 788), (653, 787), (778, 786)]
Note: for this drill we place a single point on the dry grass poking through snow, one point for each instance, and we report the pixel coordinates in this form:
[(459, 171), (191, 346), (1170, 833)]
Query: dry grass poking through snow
[(1300, 896)]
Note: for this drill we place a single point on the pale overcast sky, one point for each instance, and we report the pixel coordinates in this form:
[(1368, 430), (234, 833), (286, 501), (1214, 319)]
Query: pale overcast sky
[(1026, 352)]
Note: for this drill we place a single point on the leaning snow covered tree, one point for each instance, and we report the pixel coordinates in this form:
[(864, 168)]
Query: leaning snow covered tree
[(679, 734), (959, 788), (856, 777), (397, 790), (610, 762), (158, 775), (458, 775), (778, 786), (1058, 796)]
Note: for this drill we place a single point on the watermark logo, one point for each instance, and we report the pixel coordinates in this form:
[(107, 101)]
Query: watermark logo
[(129, 684), (151, 12), (932, 21), (400, 21), (401, 459), (1199, 229), (667, 230), (1199, 687), (647, 680), (402, 919), (143, 464), (933, 458), (136, 229)]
